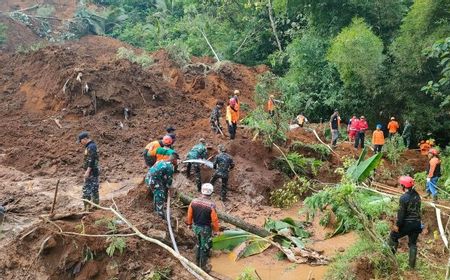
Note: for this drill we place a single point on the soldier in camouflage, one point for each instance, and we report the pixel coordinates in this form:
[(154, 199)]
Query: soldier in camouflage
[(223, 163), (91, 170), (159, 178), (215, 118), (197, 152)]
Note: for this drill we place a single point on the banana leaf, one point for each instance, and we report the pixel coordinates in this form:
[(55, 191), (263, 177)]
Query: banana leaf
[(244, 244), (249, 248), (359, 171)]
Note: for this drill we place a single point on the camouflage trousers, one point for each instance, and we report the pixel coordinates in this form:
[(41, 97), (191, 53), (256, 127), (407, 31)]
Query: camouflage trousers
[(90, 189), (198, 177), (224, 178), (204, 244)]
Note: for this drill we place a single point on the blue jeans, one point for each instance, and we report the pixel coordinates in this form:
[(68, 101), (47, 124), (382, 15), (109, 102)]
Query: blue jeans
[(432, 186)]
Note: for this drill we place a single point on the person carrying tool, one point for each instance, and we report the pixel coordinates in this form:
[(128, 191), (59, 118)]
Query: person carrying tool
[(378, 139), (351, 128), (223, 163), (232, 117), (407, 133), (214, 119), (202, 218), (393, 127), (197, 152), (301, 120), (91, 170), (408, 219), (433, 173), (159, 179), (335, 124), (361, 128)]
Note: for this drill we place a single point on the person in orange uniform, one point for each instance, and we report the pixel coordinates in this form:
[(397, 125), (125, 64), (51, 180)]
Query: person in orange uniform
[(393, 127), (150, 152), (433, 173), (378, 139), (235, 96), (232, 117), (202, 218), (424, 147), (271, 105)]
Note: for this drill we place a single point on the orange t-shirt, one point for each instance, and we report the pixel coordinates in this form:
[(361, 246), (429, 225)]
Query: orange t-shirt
[(270, 105), (232, 114), (393, 126), (378, 137)]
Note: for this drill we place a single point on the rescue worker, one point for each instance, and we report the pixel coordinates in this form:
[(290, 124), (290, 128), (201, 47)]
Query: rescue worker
[(159, 178), (214, 119), (351, 128), (163, 153), (335, 124), (223, 163), (91, 170), (197, 152), (378, 139), (424, 147), (301, 120), (150, 150), (407, 133), (361, 128), (171, 132), (232, 117), (271, 105), (202, 218), (433, 173), (393, 127), (408, 219), (235, 97)]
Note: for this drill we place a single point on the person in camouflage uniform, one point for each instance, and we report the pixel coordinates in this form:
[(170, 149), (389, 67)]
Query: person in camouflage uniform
[(223, 163), (215, 118), (91, 170), (197, 152), (202, 218), (159, 178)]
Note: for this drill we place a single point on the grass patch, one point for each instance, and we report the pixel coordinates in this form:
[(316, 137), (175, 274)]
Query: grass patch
[(143, 59), (318, 151)]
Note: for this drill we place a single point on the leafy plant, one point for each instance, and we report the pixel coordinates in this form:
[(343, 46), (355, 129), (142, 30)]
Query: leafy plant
[(301, 164), (116, 244), (248, 274), (159, 274), (394, 148), (362, 169), (143, 59), (290, 193), (320, 151), (22, 49), (179, 53)]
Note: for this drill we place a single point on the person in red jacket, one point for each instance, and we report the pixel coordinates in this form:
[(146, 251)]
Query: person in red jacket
[(351, 128), (361, 128)]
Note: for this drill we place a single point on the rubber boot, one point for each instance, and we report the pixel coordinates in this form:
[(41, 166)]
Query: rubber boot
[(393, 245), (412, 256)]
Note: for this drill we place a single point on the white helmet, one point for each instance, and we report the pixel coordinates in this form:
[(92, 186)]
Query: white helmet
[(207, 189)]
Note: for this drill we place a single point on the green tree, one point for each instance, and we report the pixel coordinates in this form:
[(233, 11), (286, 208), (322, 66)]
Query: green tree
[(358, 55)]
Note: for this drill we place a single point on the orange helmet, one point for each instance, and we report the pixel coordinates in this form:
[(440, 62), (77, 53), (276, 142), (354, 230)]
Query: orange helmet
[(167, 140), (406, 181)]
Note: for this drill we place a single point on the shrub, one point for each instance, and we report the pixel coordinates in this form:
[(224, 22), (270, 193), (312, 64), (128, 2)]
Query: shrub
[(143, 59), (319, 150), (300, 164), (290, 193), (394, 148), (179, 53), (22, 49)]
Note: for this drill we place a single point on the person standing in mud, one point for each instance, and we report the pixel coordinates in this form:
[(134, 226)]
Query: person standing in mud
[(232, 117), (197, 152), (202, 218), (335, 124), (223, 163), (433, 173), (408, 219), (214, 119), (159, 178), (91, 170)]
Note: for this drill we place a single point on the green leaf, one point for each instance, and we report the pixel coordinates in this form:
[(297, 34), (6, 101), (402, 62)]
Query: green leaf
[(229, 239), (250, 248), (362, 168)]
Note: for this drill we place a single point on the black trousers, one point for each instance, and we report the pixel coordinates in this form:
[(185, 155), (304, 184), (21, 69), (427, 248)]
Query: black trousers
[(224, 189), (232, 130), (360, 139), (378, 148), (410, 228)]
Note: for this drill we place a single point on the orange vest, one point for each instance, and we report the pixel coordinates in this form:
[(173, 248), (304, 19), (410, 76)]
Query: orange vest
[(378, 137), (270, 105), (393, 126), (232, 114), (152, 146)]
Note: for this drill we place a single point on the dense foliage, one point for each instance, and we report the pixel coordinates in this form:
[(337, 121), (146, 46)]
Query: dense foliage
[(368, 58)]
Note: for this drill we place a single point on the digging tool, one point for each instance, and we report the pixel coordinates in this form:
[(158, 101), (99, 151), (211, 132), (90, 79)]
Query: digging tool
[(201, 161), (218, 127), (54, 198)]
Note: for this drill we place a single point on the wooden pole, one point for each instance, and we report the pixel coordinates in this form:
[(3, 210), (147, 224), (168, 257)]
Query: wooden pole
[(54, 197)]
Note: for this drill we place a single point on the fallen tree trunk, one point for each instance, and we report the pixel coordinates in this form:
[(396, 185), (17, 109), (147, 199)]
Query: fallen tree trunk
[(185, 199)]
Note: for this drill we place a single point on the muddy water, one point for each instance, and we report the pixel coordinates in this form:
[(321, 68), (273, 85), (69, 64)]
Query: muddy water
[(266, 264)]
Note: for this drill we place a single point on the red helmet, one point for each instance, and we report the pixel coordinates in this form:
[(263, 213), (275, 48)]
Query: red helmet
[(406, 181), (434, 152), (167, 140), (232, 101)]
